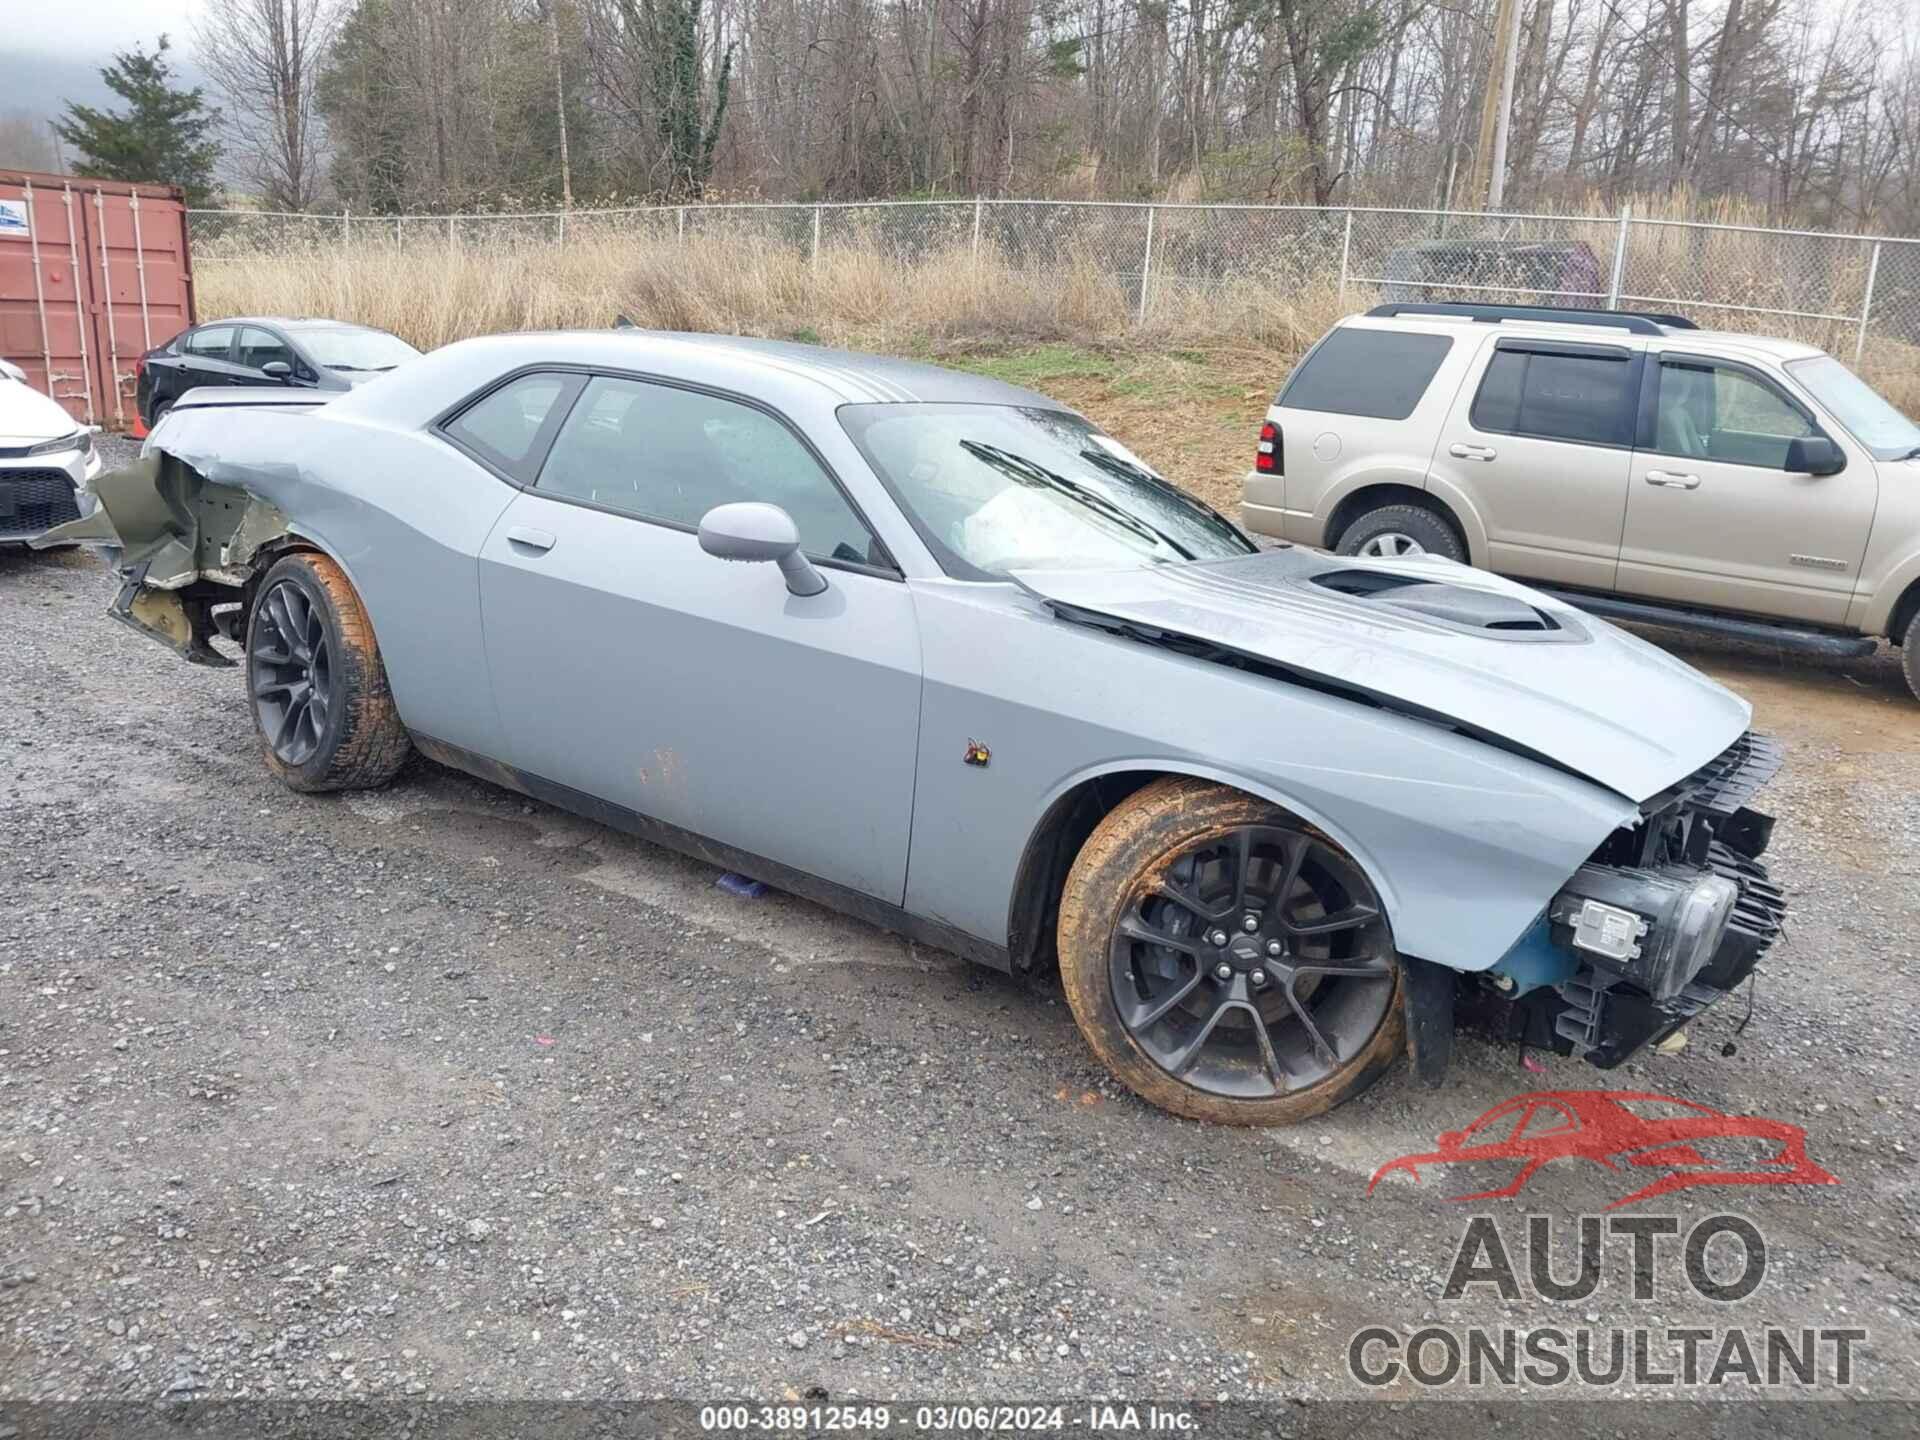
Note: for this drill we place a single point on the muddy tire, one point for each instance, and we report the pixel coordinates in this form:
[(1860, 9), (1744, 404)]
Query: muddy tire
[(1299, 1008), (1910, 655), (317, 687), (1395, 530)]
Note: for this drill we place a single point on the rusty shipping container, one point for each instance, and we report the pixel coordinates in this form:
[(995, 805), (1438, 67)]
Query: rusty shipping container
[(93, 273)]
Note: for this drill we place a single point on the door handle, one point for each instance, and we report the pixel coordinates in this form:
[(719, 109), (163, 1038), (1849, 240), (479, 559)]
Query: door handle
[(531, 539), (1471, 452), (1673, 481)]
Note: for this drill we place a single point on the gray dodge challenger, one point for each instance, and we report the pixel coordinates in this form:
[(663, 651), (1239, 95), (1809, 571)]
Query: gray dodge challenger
[(936, 651)]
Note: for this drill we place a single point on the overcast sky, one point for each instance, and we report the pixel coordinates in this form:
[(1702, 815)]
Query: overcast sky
[(93, 29), (52, 51)]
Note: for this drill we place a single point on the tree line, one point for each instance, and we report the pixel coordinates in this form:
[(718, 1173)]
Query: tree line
[(1807, 108)]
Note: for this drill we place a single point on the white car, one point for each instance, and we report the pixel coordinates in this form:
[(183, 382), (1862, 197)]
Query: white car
[(47, 463)]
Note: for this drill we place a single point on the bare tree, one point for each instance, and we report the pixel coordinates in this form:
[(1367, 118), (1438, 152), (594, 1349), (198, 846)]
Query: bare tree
[(264, 56), (26, 142)]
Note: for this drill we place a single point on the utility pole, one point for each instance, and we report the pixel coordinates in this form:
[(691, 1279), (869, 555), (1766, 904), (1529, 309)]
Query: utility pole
[(1510, 45), (559, 103), (1489, 176)]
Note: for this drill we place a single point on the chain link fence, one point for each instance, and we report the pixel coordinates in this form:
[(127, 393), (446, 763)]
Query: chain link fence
[(1842, 292)]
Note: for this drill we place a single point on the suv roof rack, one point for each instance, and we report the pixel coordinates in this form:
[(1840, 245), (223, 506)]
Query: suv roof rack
[(1634, 321)]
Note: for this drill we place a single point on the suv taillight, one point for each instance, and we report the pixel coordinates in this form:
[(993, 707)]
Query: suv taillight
[(1270, 459)]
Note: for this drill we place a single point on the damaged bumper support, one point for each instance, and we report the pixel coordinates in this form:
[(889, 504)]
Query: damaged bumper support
[(1666, 919), (189, 548)]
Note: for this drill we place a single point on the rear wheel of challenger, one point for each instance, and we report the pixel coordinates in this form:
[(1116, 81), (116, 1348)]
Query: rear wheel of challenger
[(319, 692), (1227, 962), (1395, 530)]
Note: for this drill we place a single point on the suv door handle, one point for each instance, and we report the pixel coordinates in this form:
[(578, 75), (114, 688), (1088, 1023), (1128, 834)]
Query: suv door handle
[(1471, 452), (1673, 481), (541, 540)]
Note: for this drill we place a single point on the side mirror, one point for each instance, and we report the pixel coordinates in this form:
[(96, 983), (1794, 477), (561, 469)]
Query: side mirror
[(1814, 455), (277, 370), (753, 531)]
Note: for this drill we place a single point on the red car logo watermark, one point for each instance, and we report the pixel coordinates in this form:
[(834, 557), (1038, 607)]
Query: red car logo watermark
[(1623, 1130)]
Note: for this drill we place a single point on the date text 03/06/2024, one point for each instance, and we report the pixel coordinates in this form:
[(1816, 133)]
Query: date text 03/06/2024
[(933, 1419)]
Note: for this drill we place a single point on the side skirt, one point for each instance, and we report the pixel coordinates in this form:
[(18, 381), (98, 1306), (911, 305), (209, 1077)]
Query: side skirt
[(833, 896)]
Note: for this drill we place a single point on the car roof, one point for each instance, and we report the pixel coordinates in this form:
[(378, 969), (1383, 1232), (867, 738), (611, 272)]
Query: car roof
[(1733, 343), (847, 376), (297, 323)]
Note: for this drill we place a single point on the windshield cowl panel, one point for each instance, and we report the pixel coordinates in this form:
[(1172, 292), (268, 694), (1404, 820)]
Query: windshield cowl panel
[(995, 488)]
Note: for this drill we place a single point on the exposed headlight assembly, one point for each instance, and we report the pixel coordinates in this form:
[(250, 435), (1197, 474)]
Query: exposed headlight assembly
[(81, 440), (1656, 928)]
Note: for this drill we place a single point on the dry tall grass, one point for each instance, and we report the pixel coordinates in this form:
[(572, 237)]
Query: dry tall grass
[(853, 295), (944, 304)]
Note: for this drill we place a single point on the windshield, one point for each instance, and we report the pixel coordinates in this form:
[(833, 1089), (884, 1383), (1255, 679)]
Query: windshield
[(339, 348), (993, 488), (1868, 416)]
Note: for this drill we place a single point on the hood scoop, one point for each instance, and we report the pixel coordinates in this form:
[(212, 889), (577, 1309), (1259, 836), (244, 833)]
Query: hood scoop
[(1487, 612)]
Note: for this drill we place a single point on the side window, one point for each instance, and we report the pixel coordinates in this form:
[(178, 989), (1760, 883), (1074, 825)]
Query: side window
[(657, 452), (261, 347), (1498, 1127), (212, 343), (1545, 1118), (1714, 412), (1377, 373), (1557, 395), (505, 426)]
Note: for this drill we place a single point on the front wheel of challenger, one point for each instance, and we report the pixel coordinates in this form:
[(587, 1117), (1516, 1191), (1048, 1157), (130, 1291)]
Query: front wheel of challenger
[(318, 688), (1226, 961)]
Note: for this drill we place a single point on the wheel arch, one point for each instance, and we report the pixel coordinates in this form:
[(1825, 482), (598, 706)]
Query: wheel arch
[(1904, 609), (1076, 806), (272, 552), (1373, 497)]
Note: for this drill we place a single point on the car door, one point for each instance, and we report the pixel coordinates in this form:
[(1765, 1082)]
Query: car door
[(257, 348), (630, 665), (206, 358), (1541, 446), (1714, 517)]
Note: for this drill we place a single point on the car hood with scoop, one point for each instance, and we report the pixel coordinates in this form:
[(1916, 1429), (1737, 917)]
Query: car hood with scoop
[(1433, 638)]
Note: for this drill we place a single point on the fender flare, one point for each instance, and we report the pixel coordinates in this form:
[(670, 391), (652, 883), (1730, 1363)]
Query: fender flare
[(1452, 502), (1070, 786)]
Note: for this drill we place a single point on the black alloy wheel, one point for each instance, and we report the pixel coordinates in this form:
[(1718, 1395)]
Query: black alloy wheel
[(1255, 964), (292, 673)]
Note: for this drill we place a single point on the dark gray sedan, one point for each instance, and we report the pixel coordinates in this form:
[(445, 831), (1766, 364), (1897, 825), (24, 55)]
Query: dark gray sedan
[(265, 350)]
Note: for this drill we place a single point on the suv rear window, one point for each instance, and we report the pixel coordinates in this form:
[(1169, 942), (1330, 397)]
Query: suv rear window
[(1586, 396), (1377, 373)]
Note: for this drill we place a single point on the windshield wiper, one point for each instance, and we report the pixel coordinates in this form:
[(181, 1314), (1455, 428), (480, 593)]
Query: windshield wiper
[(1913, 454), (1121, 470), (1021, 469)]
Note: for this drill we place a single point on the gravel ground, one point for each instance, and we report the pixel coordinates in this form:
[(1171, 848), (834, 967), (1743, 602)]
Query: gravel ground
[(435, 1092)]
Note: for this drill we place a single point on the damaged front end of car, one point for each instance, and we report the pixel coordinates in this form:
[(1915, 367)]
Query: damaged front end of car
[(1662, 910), (1669, 916)]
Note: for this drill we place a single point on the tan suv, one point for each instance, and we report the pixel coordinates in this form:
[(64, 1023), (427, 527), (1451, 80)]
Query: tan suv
[(1649, 470)]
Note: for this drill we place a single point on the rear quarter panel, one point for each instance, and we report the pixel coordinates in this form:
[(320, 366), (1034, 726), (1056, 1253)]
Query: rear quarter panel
[(1331, 456), (402, 512)]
